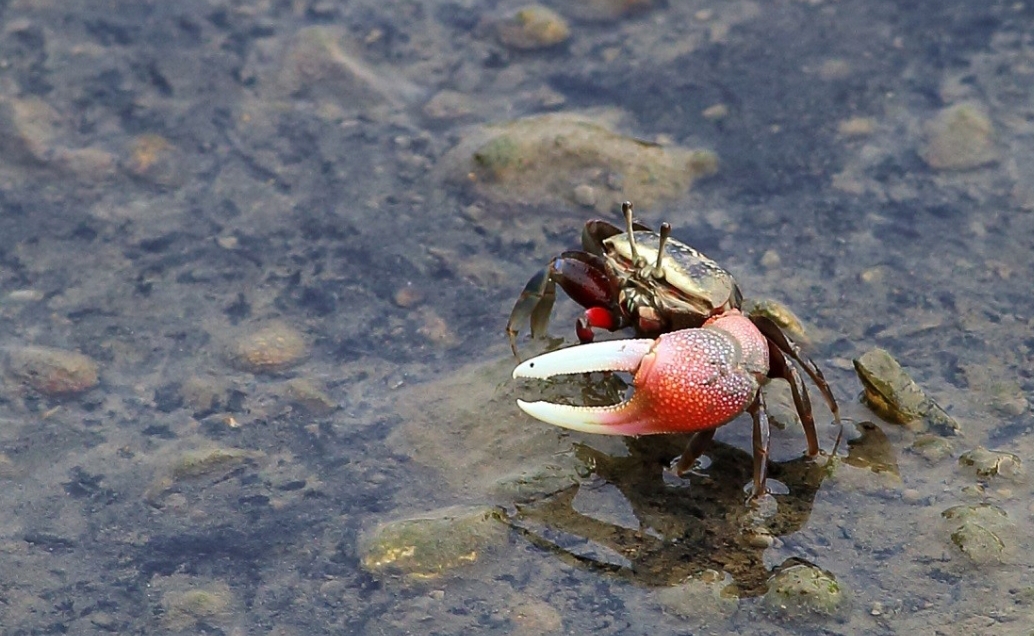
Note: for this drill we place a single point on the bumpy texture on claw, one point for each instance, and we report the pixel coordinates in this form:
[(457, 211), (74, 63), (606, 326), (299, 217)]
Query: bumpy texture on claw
[(685, 381)]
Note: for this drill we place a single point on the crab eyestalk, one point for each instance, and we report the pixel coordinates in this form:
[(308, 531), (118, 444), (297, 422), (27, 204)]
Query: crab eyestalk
[(626, 209), (658, 269)]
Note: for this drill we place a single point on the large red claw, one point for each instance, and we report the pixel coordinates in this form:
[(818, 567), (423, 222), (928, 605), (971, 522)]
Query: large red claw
[(685, 381)]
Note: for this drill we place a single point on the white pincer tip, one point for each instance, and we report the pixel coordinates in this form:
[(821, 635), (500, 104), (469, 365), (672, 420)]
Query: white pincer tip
[(611, 355)]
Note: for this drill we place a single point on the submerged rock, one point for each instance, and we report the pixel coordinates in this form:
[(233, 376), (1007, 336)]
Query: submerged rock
[(467, 428), (990, 463), (979, 532), (932, 448), (532, 27), (429, 545), (273, 348), (803, 590), (702, 598), (540, 162), (895, 397), (960, 137), (325, 64), (53, 372)]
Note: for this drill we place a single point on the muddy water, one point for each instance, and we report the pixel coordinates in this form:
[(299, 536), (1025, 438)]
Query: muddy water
[(253, 304)]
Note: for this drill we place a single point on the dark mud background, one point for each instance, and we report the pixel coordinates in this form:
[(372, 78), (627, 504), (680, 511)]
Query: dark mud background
[(245, 269)]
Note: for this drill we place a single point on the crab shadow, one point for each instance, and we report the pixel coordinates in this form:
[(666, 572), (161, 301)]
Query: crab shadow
[(635, 521)]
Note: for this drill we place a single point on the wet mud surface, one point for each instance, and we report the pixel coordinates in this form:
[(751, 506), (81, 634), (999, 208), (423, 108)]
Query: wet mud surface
[(256, 264)]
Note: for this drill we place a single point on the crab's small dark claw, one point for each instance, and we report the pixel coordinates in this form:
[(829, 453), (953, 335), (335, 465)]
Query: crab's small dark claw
[(534, 304)]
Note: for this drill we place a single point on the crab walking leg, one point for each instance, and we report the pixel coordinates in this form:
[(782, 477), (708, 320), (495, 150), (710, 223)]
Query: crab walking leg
[(761, 437), (685, 381)]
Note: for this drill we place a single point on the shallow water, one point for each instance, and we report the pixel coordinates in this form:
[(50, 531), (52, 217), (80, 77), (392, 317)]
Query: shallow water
[(176, 178)]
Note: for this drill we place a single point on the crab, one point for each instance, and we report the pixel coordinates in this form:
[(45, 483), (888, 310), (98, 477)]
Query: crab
[(699, 362)]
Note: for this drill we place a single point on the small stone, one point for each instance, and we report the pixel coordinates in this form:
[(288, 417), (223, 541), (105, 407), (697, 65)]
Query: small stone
[(53, 372), (538, 162), (273, 348), (911, 496), (892, 394), (186, 608), (803, 590), (761, 540), (990, 463), (25, 296), (932, 448), (960, 137), (532, 27), (977, 531), (835, 69), (408, 296), (208, 461), (716, 112), (155, 159), (448, 105), (585, 195), (435, 328), (770, 259), (432, 544), (857, 127), (310, 396)]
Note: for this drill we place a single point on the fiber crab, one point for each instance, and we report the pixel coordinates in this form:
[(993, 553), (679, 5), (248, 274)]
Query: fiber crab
[(700, 361)]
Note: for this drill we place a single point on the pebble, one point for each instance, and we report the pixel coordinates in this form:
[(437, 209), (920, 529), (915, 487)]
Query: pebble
[(960, 137), (155, 159), (716, 112), (532, 27), (911, 496), (585, 195), (408, 296), (273, 348), (770, 259), (857, 127), (54, 372)]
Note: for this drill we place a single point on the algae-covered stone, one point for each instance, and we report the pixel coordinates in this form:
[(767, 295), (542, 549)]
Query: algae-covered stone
[(532, 27), (802, 590), (991, 463), (155, 159), (895, 397), (187, 602), (53, 372), (540, 161), (960, 137), (202, 462), (273, 348), (979, 531), (432, 544)]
